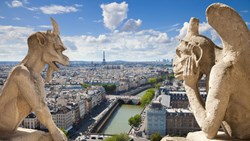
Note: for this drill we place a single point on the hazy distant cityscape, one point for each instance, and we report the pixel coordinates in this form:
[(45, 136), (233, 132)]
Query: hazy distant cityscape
[(89, 99)]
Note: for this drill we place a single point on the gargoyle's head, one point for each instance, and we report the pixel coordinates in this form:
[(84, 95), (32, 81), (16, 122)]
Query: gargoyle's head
[(49, 47), (183, 51), (200, 49), (197, 47)]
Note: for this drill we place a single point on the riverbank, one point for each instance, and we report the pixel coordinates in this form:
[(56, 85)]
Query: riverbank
[(104, 117), (117, 113), (118, 122), (85, 124), (110, 113), (137, 90)]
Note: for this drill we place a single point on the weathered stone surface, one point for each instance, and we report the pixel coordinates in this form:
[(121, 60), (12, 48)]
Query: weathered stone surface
[(227, 73), (24, 92), (173, 139), (22, 134), (200, 136)]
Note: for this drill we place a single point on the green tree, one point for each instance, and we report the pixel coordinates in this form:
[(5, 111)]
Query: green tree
[(109, 88), (135, 121), (147, 97), (65, 132), (84, 85), (119, 137), (158, 85), (162, 78), (152, 90), (171, 76), (155, 137), (152, 81)]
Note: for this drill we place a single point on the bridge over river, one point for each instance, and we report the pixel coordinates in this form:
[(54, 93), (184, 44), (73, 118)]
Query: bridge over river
[(125, 98)]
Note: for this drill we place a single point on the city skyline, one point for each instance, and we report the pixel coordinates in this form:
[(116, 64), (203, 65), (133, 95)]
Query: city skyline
[(125, 29)]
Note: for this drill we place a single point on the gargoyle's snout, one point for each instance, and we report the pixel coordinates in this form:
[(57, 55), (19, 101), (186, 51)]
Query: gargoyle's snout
[(65, 60)]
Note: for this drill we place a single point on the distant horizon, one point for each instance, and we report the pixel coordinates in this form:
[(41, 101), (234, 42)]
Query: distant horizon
[(124, 29), (97, 61)]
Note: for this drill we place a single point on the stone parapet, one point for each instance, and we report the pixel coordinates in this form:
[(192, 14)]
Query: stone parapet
[(200, 136), (23, 134)]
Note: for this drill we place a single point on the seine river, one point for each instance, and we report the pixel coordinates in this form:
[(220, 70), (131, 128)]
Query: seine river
[(118, 122)]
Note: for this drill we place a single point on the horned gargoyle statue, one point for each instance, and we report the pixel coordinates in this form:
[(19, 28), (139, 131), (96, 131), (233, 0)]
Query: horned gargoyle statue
[(227, 73), (23, 91)]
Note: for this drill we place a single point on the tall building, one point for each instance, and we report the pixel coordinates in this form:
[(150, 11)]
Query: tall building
[(63, 117), (103, 60), (155, 119), (30, 121), (179, 122)]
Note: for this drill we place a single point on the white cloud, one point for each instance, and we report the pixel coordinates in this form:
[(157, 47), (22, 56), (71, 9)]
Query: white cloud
[(175, 25), (8, 4), (70, 45), (247, 23), (183, 31), (32, 8), (47, 9), (78, 5), (133, 46), (244, 11), (45, 26), (26, 1), (214, 36), (113, 14), (132, 25), (36, 17), (204, 29), (57, 9), (14, 4), (97, 21), (17, 19), (1, 17), (15, 33), (13, 43), (80, 18)]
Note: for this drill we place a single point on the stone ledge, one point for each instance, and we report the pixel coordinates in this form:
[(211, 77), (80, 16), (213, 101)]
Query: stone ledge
[(174, 139), (23, 134), (200, 136)]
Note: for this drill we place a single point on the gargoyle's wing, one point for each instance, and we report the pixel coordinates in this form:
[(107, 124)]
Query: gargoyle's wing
[(230, 26)]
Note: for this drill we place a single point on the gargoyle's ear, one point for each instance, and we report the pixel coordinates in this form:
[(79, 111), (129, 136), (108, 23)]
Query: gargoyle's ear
[(197, 53), (41, 38)]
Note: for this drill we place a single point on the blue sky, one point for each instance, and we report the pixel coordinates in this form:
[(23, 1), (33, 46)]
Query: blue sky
[(132, 30)]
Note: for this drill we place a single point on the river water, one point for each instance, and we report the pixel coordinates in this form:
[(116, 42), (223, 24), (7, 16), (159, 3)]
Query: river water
[(118, 122)]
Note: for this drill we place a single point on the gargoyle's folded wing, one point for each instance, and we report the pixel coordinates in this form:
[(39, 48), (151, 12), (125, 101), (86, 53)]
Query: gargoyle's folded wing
[(231, 27)]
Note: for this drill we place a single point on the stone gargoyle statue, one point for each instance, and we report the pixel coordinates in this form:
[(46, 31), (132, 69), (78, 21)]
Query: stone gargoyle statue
[(227, 72), (23, 91)]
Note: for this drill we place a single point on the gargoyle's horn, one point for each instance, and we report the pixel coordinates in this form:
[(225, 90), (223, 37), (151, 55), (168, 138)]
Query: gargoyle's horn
[(193, 28), (55, 26)]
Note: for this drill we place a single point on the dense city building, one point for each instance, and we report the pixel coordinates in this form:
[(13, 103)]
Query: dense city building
[(63, 117), (75, 91), (95, 96), (175, 106), (180, 121), (155, 119), (31, 122)]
